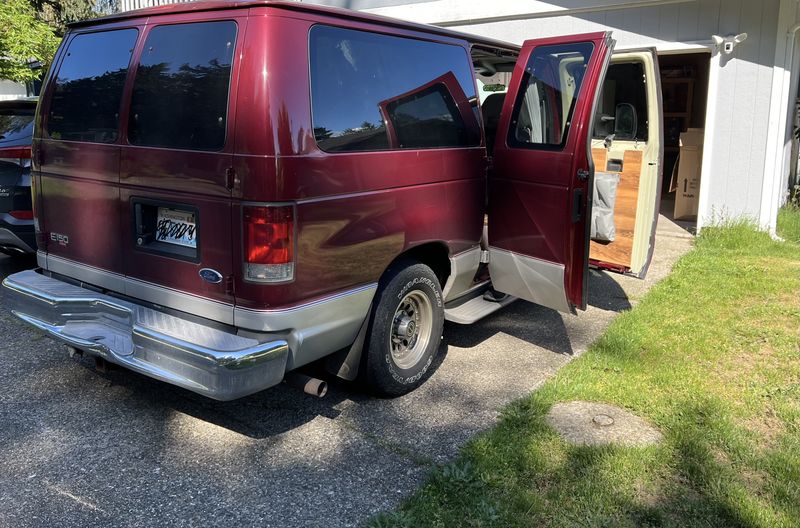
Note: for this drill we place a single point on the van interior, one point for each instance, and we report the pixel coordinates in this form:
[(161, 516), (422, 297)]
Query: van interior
[(626, 148)]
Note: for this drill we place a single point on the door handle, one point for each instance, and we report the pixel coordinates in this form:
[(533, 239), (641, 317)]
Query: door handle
[(583, 175), (577, 206)]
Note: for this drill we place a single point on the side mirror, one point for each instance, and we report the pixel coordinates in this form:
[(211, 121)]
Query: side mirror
[(626, 122)]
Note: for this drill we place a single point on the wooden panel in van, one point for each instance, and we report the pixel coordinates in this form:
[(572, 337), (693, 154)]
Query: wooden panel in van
[(620, 251)]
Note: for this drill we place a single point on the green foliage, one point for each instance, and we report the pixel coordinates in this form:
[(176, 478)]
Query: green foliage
[(23, 38), (711, 356), (59, 13)]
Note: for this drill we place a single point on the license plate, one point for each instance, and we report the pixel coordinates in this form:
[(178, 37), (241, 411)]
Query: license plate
[(176, 227)]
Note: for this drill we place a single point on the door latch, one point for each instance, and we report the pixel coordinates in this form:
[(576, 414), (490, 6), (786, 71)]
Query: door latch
[(230, 178), (583, 175), (577, 206)]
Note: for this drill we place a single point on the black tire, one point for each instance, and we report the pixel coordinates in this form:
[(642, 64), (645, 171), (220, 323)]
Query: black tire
[(388, 370)]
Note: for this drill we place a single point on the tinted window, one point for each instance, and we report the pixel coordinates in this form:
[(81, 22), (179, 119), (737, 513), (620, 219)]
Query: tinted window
[(16, 126), (375, 92), (428, 118), (88, 90), (625, 84), (180, 94), (550, 89)]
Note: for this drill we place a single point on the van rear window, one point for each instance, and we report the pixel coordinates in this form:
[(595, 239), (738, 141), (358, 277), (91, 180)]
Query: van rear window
[(379, 92), (88, 87), (180, 93)]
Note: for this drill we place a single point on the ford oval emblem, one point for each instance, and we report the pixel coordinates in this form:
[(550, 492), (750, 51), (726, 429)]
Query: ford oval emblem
[(210, 275)]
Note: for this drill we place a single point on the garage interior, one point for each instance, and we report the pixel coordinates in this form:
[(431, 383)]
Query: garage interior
[(684, 83)]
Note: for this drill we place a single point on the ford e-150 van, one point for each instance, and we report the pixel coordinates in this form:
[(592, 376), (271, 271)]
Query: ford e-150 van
[(227, 191)]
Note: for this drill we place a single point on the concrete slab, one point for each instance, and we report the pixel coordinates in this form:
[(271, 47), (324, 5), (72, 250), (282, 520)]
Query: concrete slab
[(79, 448), (597, 424)]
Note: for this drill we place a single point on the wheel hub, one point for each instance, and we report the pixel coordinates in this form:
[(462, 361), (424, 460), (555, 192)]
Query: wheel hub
[(405, 326), (411, 329)]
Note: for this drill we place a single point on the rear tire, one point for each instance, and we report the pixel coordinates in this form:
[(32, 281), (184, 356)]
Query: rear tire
[(405, 329)]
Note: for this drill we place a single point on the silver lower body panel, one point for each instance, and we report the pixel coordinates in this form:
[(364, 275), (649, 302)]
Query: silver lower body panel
[(201, 358)]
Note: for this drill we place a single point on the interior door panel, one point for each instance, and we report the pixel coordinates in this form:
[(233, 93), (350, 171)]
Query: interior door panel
[(641, 156)]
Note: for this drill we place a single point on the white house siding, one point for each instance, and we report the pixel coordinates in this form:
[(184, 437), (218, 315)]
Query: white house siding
[(129, 5), (11, 90), (741, 94)]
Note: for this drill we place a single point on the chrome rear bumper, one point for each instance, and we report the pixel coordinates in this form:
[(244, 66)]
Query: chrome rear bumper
[(203, 359)]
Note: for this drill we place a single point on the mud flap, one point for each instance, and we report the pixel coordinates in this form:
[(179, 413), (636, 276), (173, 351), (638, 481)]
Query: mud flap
[(345, 363)]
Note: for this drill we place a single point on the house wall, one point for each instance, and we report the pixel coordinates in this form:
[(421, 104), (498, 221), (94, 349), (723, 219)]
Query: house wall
[(128, 5), (745, 140), (11, 90)]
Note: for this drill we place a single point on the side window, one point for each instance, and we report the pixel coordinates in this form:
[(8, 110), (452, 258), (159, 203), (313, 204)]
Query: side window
[(88, 88), (379, 92), (180, 93), (622, 111), (549, 92)]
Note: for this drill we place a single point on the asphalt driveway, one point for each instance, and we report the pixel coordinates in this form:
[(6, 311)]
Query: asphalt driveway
[(82, 448)]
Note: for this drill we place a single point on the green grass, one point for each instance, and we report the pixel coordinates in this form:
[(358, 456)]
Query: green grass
[(789, 223), (711, 356)]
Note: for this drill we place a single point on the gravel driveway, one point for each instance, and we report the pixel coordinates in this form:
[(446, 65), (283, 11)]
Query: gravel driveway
[(82, 448)]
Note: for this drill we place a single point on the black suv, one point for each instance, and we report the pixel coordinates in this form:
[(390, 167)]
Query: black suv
[(17, 235)]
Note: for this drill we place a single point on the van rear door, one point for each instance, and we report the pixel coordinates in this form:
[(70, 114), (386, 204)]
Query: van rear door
[(175, 175), (539, 192), (76, 156)]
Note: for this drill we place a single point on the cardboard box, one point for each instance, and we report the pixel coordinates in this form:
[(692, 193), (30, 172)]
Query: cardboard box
[(690, 164)]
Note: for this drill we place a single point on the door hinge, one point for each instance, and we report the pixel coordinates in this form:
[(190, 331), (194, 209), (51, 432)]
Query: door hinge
[(230, 178), (583, 175)]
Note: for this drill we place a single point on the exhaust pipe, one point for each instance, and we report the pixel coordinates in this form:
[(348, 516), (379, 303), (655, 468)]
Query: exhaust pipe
[(313, 386)]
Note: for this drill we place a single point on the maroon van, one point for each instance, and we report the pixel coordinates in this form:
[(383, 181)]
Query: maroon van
[(226, 192)]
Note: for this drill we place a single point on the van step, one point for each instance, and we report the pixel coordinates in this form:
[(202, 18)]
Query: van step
[(474, 309)]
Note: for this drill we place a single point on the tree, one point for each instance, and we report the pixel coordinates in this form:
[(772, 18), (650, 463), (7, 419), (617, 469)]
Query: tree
[(59, 13), (24, 39)]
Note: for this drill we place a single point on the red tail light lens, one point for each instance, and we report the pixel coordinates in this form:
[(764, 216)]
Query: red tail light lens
[(16, 152), (268, 243), (18, 155), (22, 215)]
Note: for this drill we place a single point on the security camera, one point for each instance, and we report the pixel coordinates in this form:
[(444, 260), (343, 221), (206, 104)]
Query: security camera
[(729, 43)]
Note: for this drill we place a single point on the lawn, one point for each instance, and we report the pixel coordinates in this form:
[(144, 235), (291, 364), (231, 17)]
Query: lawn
[(711, 356)]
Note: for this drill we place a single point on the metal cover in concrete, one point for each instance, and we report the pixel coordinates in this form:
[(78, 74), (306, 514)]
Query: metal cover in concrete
[(594, 424)]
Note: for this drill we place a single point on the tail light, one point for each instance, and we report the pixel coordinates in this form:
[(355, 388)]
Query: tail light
[(268, 243), (22, 215), (19, 155)]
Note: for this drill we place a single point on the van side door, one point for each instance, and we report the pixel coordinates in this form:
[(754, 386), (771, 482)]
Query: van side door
[(540, 189)]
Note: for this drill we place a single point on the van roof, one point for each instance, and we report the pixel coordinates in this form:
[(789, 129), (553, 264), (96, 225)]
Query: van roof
[(216, 5)]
